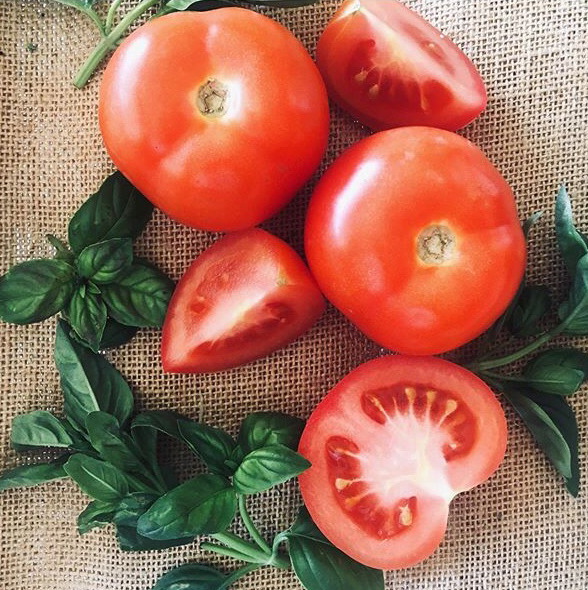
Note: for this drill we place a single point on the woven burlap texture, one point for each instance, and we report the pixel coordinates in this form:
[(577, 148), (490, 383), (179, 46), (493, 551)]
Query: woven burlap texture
[(519, 531)]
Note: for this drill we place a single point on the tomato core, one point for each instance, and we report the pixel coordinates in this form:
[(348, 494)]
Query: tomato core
[(436, 245), (213, 98)]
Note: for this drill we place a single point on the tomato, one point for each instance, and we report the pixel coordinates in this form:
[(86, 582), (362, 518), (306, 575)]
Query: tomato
[(390, 447), (246, 296), (413, 234), (217, 117), (388, 67)]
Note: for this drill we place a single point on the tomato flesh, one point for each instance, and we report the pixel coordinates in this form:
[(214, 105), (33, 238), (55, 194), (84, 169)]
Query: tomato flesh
[(390, 447), (247, 295), (389, 67)]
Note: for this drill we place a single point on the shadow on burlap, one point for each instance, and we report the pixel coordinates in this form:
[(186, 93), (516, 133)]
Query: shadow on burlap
[(519, 531)]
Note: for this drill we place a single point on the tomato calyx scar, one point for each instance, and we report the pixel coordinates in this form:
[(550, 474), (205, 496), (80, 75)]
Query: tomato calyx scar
[(213, 98), (436, 245)]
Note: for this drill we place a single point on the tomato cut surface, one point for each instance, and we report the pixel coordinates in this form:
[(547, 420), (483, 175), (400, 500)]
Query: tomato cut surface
[(390, 447), (389, 67), (246, 296), (414, 235)]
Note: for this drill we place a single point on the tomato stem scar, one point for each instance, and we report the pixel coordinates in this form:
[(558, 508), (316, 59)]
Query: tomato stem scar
[(213, 98), (436, 244)]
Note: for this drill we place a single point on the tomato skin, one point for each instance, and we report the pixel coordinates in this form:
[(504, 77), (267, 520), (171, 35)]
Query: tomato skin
[(367, 219), (224, 172), (341, 416), (247, 295), (388, 67)]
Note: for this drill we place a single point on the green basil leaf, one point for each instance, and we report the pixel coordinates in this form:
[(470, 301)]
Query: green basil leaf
[(570, 242), (98, 479), (575, 309), (200, 5), (87, 316), (89, 382), (131, 508), (139, 298), (96, 514), (321, 566), (205, 504), (553, 379), (191, 576), (164, 421), (116, 334), (530, 222), (35, 290), (107, 261), (39, 429), (213, 445), (562, 357), (113, 445), (26, 476), (533, 303), (117, 210), (62, 252), (79, 4), (263, 429), (264, 468), (130, 540), (542, 427)]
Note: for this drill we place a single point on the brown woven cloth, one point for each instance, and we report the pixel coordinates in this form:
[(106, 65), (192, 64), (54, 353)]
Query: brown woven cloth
[(519, 531)]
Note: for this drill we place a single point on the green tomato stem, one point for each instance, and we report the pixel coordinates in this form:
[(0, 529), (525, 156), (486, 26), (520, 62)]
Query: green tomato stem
[(110, 41), (237, 575), (227, 552), (255, 534), (111, 14)]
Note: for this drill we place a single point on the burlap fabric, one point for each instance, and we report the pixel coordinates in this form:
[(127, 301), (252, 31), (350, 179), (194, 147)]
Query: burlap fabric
[(518, 531)]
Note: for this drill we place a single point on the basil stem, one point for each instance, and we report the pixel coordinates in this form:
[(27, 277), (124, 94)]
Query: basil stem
[(255, 534), (238, 574)]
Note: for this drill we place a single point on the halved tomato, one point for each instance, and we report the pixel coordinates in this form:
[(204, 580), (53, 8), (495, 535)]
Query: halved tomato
[(388, 67), (246, 296), (390, 447)]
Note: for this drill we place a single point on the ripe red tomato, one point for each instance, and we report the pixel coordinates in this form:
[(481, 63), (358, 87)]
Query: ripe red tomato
[(390, 447), (414, 236), (246, 296), (388, 67), (217, 117)]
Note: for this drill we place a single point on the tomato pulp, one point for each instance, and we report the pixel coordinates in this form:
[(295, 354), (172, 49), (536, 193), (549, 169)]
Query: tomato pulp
[(390, 447), (244, 297), (388, 67), (217, 117), (413, 234)]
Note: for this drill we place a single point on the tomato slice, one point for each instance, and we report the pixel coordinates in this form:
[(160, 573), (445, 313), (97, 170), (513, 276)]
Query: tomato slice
[(390, 447), (246, 296), (389, 67)]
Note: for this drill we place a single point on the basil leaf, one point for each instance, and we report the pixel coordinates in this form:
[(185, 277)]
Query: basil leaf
[(191, 576), (96, 514), (113, 445), (131, 508), (570, 242), (533, 303), (139, 298), (107, 261), (553, 379), (562, 357), (26, 476), (116, 334), (542, 427), (205, 504), (575, 309), (263, 429), (212, 445), (89, 382), (35, 290), (130, 540), (79, 4), (201, 5), (162, 420), (39, 429), (87, 316), (96, 478), (117, 210), (321, 566), (264, 468)]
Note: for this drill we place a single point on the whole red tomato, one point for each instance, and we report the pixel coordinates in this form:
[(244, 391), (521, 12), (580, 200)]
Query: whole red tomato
[(391, 445), (413, 234), (388, 67), (217, 117)]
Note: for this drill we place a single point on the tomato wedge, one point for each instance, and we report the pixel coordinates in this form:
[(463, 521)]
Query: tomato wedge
[(389, 67), (244, 297), (390, 447)]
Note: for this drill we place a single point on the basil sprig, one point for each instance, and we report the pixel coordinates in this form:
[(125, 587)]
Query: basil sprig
[(97, 284), (538, 393)]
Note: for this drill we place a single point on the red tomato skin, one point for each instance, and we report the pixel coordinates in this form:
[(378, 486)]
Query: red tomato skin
[(337, 414), (215, 173), (441, 103), (362, 226), (237, 264)]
